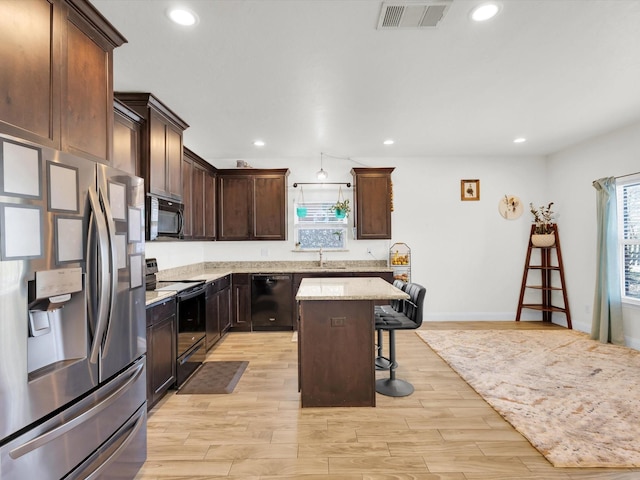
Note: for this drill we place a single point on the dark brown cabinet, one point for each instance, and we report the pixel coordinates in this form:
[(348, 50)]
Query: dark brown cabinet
[(161, 349), (198, 197), (218, 293), (57, 75), (241, 302), (373, 196), (127, 131), (161, 152), (252, 205)]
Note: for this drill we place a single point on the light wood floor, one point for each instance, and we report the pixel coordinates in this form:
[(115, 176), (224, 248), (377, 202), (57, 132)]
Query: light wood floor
[(444, 430)]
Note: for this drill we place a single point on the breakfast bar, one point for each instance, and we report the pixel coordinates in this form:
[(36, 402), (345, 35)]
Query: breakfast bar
[(336, 339)]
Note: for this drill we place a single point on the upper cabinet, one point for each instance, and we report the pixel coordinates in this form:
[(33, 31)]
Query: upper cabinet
[(198, 197), (127, 135), (161, 153), (252, 204), (57, 75), (373, 196)]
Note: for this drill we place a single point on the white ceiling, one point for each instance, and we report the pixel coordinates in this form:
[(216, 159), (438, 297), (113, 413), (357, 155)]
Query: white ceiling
[(311, 76)]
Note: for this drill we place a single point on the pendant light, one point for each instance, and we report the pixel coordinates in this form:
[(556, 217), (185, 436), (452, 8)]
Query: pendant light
[(321, 175)]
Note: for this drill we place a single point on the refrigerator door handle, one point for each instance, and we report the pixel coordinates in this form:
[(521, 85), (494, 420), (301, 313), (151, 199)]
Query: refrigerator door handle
[(113, 267), (60, 430), (133, 425), (101, 226)]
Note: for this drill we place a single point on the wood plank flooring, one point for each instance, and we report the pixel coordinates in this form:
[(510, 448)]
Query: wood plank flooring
[(443, 431)]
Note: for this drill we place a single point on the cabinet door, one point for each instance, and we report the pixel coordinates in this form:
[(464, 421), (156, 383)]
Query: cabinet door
[(241, 315), (234, 202), (199, 175), (30, 72), (224, 309), (210, 206), (187, 197), (373, 203), (163, 345), (126, 143), (157, 164), (269, 208), (87, 91), (174, 161), (212, 317)]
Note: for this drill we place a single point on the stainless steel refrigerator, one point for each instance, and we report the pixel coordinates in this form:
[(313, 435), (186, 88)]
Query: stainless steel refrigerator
[(72, 317)]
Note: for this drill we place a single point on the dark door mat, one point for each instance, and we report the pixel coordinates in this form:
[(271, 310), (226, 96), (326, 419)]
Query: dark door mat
[(215, 377)]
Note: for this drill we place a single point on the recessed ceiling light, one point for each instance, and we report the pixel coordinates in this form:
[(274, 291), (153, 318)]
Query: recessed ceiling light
[(259, 143), (485, 11), (388, 142), (182, 16), (519, 140)]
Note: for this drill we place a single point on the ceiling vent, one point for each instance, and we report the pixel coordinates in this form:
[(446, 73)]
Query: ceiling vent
[(395, 15)]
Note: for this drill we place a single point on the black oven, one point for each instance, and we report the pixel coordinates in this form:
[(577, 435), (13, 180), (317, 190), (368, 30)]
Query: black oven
[(191, 311), (191, 332)]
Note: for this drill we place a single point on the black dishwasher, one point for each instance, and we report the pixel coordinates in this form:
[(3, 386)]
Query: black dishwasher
[(271, 302)]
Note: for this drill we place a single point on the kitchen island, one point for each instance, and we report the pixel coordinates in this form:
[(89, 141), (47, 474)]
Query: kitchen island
[(336, 339)]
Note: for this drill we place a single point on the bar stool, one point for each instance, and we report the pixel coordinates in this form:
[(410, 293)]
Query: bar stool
[(395, 307), (409, 320)]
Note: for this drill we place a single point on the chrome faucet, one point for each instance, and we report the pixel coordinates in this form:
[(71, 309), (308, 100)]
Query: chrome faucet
[(321, 259)]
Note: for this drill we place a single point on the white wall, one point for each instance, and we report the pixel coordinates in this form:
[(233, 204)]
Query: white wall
[(570, 175), (470, 259)]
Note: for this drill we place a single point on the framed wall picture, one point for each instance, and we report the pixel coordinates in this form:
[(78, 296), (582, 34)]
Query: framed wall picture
[(469, 190)]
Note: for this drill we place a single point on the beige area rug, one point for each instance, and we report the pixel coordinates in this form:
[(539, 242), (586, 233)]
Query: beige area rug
[(575, 399)]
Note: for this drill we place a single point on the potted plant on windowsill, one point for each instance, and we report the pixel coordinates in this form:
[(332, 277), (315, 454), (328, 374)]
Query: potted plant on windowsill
[(341, 208), (544, 231)]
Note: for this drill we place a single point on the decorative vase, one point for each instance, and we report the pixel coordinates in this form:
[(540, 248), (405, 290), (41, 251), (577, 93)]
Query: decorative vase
[(301, 212), (340, 213), (543, 240)]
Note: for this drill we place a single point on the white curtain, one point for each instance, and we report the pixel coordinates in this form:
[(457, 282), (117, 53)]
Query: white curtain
[(606, 324)]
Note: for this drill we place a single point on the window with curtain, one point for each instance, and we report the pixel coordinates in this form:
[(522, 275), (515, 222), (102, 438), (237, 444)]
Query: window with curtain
[(628, 192), (316, 226)]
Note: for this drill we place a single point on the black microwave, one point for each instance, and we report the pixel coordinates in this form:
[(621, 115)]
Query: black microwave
[(166, 218)]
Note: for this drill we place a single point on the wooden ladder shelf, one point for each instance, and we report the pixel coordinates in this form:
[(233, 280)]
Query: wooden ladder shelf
[(548, 284)]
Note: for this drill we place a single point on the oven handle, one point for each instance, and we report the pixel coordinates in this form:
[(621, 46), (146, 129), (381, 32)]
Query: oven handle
[(187, 356), (189, 295)]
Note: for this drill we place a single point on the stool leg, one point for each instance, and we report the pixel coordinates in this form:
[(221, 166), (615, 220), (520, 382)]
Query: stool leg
[(382, 363), (392, 386)]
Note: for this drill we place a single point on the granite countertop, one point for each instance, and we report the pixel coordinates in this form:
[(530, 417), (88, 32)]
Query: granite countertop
[(211, 271), (155, 297), (347, 288)]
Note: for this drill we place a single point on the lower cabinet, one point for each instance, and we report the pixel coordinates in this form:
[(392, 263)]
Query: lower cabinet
[(218, 298), (161, 349), (241, 302)]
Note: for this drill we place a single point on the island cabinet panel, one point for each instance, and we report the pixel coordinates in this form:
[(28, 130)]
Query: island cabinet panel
[(161, 144), (336, 357), (57, 75), (373, 202), (252, 205)]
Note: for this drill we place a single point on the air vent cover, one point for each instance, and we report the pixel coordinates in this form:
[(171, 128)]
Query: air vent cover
[(395, 15)]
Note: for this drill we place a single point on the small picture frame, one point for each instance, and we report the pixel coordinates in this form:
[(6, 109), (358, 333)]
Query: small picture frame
[(469, 190)]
